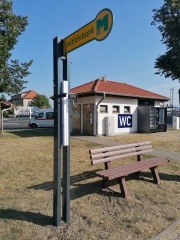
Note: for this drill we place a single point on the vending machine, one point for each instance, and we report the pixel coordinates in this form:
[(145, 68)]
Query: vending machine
[(152, 119)]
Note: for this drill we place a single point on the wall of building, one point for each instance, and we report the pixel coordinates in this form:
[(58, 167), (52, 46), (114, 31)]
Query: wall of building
[(116, 114), (157, 104), (26, 101), (116, 108)]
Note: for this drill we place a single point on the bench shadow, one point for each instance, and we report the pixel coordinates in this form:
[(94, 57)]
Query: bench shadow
[(36, 218), (147, 176), (48, 186), (79, 188)]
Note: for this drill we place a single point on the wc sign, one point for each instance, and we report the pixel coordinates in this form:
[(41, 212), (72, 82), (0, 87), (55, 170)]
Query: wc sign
[(124, 120)]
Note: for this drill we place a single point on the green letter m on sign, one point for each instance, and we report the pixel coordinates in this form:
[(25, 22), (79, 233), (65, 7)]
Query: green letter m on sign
[(102, 23)]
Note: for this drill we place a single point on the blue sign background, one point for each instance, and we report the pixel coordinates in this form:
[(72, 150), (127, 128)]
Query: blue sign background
[(124, 120)]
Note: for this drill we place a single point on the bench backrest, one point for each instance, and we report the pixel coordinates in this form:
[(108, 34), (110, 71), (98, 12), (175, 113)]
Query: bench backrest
[(108, 154)]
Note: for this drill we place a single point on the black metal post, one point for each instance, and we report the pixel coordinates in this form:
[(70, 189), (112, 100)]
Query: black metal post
[(66, 152), (57, 131)]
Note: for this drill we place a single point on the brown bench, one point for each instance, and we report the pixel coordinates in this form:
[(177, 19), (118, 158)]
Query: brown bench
[(108, 154)]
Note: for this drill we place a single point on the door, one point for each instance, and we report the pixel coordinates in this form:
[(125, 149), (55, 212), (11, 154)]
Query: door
[(88, 119), (76, 119), (39, 119), (49, 119)]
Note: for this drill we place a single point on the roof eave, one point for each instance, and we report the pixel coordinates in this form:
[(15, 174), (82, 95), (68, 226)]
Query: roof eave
[(120, 95)]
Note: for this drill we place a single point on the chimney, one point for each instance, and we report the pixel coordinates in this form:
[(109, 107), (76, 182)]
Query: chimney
[(104, 78)]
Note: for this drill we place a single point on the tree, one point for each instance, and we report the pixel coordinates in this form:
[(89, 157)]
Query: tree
[(40, 101), (12, 72), (3, 98), (167, 19)]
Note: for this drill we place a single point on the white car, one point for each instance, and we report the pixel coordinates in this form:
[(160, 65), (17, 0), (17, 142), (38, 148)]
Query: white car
[(45, 118)]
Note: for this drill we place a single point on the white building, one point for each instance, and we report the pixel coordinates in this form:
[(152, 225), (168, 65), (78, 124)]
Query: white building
[(109, 108)]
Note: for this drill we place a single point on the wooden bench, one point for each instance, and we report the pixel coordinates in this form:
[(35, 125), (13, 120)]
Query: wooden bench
[(108, 154)]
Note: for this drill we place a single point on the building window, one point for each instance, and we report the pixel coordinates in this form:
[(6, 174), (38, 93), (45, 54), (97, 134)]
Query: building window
[(146, 102), (103, 108), (127, 109), (115, 109)]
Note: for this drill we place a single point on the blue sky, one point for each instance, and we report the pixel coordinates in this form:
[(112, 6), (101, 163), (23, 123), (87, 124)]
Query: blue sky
[(126, 55)]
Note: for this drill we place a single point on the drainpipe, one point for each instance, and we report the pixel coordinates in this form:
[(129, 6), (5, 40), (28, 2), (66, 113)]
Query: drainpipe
[(97, 114), (2, 132)]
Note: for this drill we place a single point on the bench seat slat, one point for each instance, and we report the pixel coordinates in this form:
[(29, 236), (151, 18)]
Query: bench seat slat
[(127, 169), (102, 160), (128, 165), (126, 150), (100, 150)]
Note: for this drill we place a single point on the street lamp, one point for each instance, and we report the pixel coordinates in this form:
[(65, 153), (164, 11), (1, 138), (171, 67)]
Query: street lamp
[(171, 96), (29, 108)]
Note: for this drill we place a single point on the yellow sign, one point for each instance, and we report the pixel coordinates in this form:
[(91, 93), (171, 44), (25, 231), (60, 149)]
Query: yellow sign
[(97, 29)]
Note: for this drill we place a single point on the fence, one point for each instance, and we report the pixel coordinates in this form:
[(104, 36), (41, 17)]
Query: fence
[(172, 111)]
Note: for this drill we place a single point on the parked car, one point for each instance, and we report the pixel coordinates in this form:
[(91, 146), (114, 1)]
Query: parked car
[(45, 118)]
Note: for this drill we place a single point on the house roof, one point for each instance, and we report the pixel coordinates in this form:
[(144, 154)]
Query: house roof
[(5, 104), (30, 94), (115, 88)]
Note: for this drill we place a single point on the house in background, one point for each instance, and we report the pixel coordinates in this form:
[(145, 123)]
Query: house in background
[(22, 99), (109, 108)]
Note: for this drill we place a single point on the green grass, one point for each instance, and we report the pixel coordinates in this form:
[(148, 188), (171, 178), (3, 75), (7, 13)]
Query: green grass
[(26, 193)]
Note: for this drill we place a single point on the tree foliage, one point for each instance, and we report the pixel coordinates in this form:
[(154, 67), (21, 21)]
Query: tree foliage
[(3, 98), (167, 19), (40, 101), (12, 72)]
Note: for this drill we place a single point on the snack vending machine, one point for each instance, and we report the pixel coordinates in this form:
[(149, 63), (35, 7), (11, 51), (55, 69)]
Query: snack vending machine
[(152, 119)]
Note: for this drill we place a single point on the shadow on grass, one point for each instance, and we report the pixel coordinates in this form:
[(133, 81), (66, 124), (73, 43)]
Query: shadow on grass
[(40, 132), (80, 189), (163, 177), (36, 218), (48, 186)]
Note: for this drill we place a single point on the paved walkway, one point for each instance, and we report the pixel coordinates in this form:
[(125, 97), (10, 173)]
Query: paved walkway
[(107, 142), (172, 232)]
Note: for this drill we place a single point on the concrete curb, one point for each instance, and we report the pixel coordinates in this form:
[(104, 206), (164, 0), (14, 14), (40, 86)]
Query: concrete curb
[(170, 233)]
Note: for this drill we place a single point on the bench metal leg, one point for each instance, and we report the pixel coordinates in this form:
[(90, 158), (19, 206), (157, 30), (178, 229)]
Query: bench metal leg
[(104, 182), (123, 186), (155, 175)]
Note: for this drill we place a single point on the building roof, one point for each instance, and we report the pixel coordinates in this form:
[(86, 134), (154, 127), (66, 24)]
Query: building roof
[(115, 88), (5, 104), (29, 94)]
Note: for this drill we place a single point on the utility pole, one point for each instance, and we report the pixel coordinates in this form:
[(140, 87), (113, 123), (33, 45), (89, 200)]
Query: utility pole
[(172, 96), (0, 120)]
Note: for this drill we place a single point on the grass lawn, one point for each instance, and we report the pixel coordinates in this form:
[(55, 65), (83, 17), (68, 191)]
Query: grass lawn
[(26, 191)]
